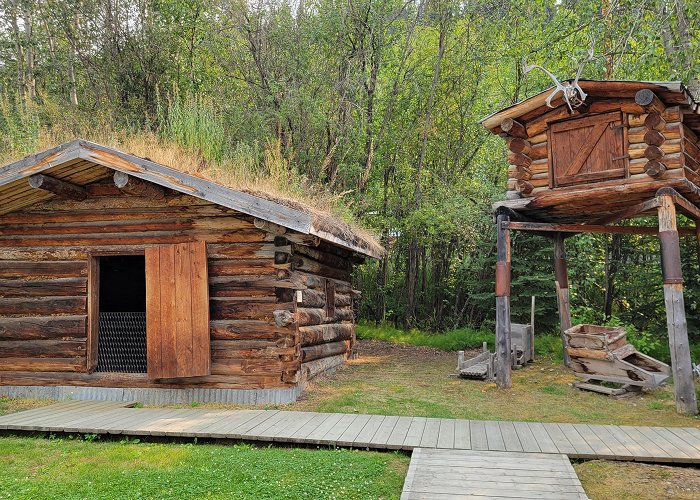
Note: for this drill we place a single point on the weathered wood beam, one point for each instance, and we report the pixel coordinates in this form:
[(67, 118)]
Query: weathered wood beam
[(58, 187), (561, 282), (649, 101), (514, 128), (633, 211), (683, 204), (681, 367), (137, 187), (503, 339), (545, 227)]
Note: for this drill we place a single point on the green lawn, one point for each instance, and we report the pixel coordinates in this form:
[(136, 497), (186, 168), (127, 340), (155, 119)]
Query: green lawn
[(51, 468)]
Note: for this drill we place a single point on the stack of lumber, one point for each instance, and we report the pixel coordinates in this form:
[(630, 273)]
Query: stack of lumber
[(602, 354)]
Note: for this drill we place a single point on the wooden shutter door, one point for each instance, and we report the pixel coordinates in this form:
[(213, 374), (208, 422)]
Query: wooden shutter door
[(177, 311), (588, 149)]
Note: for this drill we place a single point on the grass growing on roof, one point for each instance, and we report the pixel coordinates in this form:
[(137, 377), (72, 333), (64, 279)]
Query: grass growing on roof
[(45, 468)]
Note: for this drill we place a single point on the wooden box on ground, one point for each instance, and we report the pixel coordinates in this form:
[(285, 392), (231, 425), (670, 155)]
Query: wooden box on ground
[(245, 298)]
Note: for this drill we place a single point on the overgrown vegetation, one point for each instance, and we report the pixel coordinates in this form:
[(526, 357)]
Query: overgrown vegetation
[(46, 468), (369, 108)]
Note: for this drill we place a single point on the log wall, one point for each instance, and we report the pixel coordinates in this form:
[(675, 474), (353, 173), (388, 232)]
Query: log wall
[(44, 266), (322, 299), (659, 145)]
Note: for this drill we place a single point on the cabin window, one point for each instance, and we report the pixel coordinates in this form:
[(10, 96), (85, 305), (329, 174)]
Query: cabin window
[(588, 149), (121, 331), (330, 299)]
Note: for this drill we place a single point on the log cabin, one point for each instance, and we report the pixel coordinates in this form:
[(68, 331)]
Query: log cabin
[(125, 279), (610, 152)]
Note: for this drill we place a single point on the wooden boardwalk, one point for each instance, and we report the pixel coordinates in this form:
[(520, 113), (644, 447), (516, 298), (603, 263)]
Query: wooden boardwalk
[(647, 444), (453, 474)]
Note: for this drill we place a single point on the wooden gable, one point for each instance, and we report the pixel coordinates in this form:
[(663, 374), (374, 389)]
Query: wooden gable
[(588, 149)]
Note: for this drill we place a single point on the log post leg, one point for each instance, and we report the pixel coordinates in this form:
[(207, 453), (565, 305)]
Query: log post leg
[(561, 281), (686, 401), (503, 341)]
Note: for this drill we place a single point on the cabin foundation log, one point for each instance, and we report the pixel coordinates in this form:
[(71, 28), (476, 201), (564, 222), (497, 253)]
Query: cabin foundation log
[(503, 337), (681, 367), (561, 282)]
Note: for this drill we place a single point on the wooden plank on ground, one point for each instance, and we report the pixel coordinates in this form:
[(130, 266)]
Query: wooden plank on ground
[(510, 436), (653, 451), (347, 438), (446, 437), (285, 434), (381, 437), (583, 449), (672, 451), (559, 439), (462, 435), (431, 432), (693, 456), (398, 433), (338, 429), (316, 435), (221, 428), (687, 436), (527, 439), (599, 447), (616, 446), (477, 435), (365, 438), (415, 433)]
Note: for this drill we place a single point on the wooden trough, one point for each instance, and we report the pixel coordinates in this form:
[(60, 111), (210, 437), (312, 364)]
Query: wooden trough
[(602, 354)]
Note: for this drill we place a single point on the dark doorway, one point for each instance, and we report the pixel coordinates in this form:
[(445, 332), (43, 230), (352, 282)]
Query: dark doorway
[(121, 344)]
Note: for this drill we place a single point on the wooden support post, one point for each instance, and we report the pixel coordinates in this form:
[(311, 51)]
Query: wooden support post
[(503, 347), (681, 367), (561, 281), (58, 187), (137, 187)]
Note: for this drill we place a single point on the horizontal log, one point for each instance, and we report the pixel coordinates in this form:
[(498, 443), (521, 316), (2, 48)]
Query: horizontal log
[(518, 145), (248, 367), (590, 228), (671, 114), (59, 269), (319, 351), (319, 334), (221, 349), (46, 327), (227, 309), (647, 99), (42, 349), (524, 187), (58, 187), (519, 159), (306, 280), (655, 168), (655, 121), (538, 139), (310, 265), (137, 187), (325, 258), (654, 138), (319, 366), (637, 134), (42, 365), (63, 230), (43, 288), (240, 266), (307, 316), (141, 238), (668, 147), (97, 379), (654, 152), (313, 298), (538, 125), (514, 128), (43, 306), (241, 330)]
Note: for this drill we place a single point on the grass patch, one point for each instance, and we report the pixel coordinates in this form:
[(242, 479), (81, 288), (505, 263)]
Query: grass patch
[(454, 340), (43, 468), (11, 405)]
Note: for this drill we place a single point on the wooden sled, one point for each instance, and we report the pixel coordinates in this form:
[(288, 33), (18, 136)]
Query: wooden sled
[(602, 354)]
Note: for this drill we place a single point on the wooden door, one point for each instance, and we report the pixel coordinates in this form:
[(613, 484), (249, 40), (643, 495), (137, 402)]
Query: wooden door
[(588, 149), (177, 311)]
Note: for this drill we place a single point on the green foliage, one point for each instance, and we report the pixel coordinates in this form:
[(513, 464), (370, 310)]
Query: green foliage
[(455, 340), (39, 469)]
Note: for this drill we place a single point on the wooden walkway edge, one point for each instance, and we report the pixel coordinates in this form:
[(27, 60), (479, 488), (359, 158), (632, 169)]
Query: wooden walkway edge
[(583, 441), (452, 474)]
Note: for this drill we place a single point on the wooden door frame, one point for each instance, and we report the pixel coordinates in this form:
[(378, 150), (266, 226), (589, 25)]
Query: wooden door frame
[(93, 303)]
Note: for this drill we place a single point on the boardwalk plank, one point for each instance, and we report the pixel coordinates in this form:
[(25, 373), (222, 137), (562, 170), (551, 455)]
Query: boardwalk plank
[(543, 440), (446, 436), (301, 434), (303, 418), (338, 429), (637, 450), (599, 447), (692, 453), (366, 436), (653, 451), (583, 449), (527, 439), (510, 436), (347, 438), (478, 435), (317, 434), (415, 433), (462, 435), (381, 437), (672, 451), (616, 446), (398, 434), (687, 436), (431, 432), (493, 436)]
